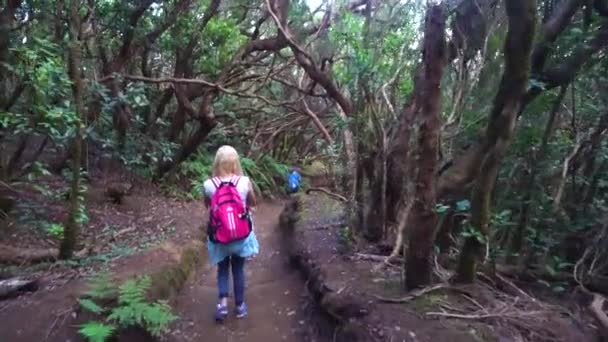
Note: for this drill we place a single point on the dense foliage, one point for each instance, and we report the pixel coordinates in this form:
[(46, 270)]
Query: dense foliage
[(490, 142)]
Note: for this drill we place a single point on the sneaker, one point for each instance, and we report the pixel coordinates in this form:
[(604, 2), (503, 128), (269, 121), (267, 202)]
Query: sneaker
[(241, 311), (221, 312)]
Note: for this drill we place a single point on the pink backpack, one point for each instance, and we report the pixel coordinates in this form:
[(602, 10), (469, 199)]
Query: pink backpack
[(229, 219)]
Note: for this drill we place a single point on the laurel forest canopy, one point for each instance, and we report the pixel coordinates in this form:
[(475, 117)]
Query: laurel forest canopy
[(470, 135)]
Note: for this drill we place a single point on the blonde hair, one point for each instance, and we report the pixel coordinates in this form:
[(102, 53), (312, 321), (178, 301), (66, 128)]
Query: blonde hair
[(227, 162)]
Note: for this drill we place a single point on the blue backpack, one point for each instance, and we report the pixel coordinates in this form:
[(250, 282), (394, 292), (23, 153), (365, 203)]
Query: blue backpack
[(293, 182)]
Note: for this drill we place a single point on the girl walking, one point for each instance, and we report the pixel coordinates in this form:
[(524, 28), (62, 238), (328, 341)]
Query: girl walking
[(229, 196)]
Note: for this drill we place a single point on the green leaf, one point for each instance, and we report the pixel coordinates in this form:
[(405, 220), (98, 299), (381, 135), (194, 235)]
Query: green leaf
[(533, 83), (463, 205), (577, 30), (91, 306), (101, 286), (441, 208), (97, 331)]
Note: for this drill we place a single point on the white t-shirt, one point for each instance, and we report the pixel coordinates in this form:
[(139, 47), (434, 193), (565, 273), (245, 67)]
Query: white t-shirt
[(242, 187)]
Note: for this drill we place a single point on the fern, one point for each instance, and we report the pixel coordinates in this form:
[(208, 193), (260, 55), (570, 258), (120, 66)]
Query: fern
[(133, 310), (91, 306), (268, 175), (134, 290), (101, 286), (158, 316), (97, 331), (132, 314)]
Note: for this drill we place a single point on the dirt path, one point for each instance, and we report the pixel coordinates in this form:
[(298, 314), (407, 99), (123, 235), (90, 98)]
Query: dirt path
[(278, 303), (276, 297)]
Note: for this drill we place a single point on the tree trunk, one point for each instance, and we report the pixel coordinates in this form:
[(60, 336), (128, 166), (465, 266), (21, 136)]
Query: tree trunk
[(424, 217), (595, 142), (72, 228), (517, 50), (151, 126), (207, 122), (375, 169), (518, 239), (398, 163), (591, 190), (7, 18)]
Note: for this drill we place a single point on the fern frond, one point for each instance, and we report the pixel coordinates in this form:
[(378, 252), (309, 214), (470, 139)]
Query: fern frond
[(91, 306), (101, 286), (128, 315), (97, 331), (158, 316), (134, 290)]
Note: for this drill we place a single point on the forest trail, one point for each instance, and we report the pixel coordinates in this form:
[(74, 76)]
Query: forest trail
[(275, 294), (278, 302)]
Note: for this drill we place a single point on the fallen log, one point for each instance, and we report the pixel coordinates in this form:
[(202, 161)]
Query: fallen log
[(15, 286), (18, 255), (14, 255)]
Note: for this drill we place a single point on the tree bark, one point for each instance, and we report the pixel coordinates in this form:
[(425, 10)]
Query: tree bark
[(72, 228), (399, 150), (551, 29), (595, 142), (7, 17), (517, 50), (207, 122), (424, 217), (525, 210), (464, 169)]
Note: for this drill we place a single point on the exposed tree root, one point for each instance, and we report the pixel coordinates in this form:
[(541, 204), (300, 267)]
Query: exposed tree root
[(399, 241), (517, 314), (377, 258), (512, 307), (592, 283), (413, 295), (597, 308), (329, 193)]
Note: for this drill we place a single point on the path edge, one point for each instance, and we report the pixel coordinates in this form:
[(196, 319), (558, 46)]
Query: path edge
[(166, 283), (346, 313)]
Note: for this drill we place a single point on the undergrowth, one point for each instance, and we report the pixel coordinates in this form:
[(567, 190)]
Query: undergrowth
[(267, 174), (130, 309)]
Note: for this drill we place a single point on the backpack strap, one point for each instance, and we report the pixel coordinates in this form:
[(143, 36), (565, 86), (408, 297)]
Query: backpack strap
[(216, 182), (235, 180)]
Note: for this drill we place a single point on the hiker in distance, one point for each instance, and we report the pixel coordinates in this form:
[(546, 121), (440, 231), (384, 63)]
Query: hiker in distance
[(229, 196), (293, 181)]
